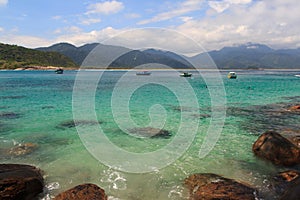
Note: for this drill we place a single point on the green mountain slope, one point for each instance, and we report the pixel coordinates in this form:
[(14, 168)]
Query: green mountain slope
[(76, 54), (13, 56)]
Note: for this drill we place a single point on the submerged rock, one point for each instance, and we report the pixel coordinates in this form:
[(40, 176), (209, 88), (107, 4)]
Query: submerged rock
[(9, 115), (213, 187), (263, 117), (150, 132), (276, 148), (83, 192), (22, 149), (72, 123), (20, 182), (12, 97)]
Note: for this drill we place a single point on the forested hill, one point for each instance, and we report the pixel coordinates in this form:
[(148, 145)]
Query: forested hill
[(13, 56)]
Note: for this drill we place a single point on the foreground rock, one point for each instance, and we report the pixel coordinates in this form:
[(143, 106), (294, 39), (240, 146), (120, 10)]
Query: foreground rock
[(83, 192), (287, 183), (295, 108), (276, 148), (212, 187), (20, 182)]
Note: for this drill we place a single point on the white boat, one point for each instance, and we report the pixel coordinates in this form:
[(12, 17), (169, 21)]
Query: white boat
[(297, 75), (186, 74), (232, 75), (143, 73)]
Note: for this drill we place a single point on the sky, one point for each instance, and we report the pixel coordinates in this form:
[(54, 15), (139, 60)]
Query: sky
[(212, 23)]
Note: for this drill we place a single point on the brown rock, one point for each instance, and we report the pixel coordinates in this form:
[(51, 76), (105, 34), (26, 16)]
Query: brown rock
[(293, 191), (20, 182), (295, 108), (83, 192), (276, 148), (284, 180), (22, 149), (213, 187)]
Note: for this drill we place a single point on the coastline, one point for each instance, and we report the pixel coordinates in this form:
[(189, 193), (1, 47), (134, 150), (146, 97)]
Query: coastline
[(52, 68)]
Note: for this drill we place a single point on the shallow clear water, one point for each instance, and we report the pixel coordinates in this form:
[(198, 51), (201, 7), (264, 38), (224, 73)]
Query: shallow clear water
[(34, 104)]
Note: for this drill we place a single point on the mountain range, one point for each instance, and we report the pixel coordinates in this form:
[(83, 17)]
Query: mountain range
[(245, 56)]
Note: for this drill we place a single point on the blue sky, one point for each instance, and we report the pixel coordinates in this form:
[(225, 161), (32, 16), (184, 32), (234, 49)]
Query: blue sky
[(213, 23)]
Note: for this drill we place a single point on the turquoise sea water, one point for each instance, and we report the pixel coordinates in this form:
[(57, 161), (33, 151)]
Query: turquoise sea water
[(36, 107)]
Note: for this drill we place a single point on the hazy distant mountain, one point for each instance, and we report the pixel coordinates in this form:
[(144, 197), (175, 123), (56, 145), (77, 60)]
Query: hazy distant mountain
[(13, 56), (254, 56)]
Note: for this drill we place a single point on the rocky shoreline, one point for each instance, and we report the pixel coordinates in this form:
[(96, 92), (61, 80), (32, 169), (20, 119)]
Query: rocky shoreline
[(25, 182)]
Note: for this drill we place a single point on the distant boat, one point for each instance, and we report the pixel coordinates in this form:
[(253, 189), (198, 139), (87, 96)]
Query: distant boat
[(143, 73), (186, 74), (297, 75), (59, 71), (232, 75)]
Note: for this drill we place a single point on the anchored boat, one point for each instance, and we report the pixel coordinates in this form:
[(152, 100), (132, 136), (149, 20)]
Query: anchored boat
[(232, 75), (186, 74), (143, 73), (59, 71)]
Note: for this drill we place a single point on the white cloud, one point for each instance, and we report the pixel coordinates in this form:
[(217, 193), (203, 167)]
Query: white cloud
[(107, 7), (3, 2), (68, 30), (274, 23), (179, 10), (186, 18), (90, 21), (25, 40), (1, 29), (57, 17), (222, 5)]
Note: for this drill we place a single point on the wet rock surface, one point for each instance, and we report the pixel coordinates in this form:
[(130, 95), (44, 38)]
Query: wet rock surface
[(213, 187), (83, 192), (20, 182), (277, 149), (295, 108), (293, 191), (284, 180)]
